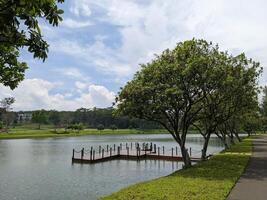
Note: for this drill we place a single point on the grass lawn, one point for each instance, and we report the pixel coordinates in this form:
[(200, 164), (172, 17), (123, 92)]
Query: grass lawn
[(212, 179), (48, 131)]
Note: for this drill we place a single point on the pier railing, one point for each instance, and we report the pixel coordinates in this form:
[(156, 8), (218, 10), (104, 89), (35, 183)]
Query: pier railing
[(128, 151)]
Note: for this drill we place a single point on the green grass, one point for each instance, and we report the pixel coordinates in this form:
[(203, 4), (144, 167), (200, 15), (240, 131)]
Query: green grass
[(48, 131), (212, 179)]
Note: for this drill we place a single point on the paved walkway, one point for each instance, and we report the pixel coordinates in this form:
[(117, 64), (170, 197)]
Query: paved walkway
[(253, 184)]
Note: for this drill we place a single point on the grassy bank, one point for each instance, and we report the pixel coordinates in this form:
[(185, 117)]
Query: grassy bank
[(26, 132), (212, 179)]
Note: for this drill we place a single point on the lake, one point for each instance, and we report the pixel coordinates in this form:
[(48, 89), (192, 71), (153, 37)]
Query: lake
[(41, 169)]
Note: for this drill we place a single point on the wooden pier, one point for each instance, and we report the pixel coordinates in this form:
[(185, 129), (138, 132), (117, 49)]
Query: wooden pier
[(128, 151)]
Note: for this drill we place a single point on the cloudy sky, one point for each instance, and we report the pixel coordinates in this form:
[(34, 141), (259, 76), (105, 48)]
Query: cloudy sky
[(101, 43)]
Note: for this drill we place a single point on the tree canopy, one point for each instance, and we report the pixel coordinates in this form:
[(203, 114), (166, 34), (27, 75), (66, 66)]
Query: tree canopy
[(19, 28), (194, 81)]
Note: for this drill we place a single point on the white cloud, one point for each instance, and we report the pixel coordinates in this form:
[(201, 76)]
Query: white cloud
[(73, 73), (144, 28), (149, 28), (81, 8), (80, 85), (71, 23), (105, 59), (34, 94)]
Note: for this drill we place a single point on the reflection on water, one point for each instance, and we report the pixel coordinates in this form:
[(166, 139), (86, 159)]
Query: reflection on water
[(33, 169)]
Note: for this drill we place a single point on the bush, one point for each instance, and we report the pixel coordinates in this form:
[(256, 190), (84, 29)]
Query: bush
[(77, 127), (100, 127), (113, 127)]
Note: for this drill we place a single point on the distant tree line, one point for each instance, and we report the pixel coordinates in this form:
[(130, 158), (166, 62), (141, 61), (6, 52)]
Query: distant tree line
[(99, 118)]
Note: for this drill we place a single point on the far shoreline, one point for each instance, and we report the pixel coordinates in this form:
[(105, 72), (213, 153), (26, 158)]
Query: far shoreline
[(50, 133)]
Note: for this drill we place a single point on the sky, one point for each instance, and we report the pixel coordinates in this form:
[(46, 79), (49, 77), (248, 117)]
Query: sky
[(101, 44)]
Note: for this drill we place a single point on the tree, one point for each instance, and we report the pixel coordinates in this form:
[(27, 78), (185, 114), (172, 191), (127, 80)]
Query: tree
[(6, 115), (54, 117), (169, 90), (113, 127), (77, 127), (100, 127), (264, 102), (40, 117), (19, 27), (230, 90), (251, 122)]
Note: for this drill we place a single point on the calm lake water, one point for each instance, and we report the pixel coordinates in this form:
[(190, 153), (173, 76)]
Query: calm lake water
[(41, 169)]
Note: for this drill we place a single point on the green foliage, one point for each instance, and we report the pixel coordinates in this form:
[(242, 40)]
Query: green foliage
[(6, 103), (77, 127), (212, 179), (100, 127), (264, 102), (40, 117), (251, 123), (113, 127), (6, 116), (54, 117), (194, 83), (19, 28), (1, 125)]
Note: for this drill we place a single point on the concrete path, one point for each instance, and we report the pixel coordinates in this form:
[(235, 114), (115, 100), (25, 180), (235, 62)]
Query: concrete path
[(252, 185)]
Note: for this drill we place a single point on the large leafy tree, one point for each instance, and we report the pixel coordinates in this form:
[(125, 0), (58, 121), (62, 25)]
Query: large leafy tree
[(193, 85), (170, 89), (40, 117), (19, 28), (6, 116)]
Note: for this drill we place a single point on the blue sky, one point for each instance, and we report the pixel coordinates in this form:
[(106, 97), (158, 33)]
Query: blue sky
[(100, 44)]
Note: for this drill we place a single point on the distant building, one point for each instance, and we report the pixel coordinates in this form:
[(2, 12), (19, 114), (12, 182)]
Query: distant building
[(24, 117)]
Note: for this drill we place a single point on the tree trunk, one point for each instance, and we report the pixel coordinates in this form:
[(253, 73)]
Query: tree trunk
[(232, 138), (186, 157), (237, 136), (39, 126), (223, 139), (205, 147)]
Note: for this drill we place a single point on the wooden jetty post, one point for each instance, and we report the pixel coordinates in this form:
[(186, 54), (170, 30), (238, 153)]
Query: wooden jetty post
[(82, 153), (99, 149), (73, 151), (176, 149), (114, 148), (127, 151), (131, 145), (172, 152), (110, 151), (118, 151), (93, 154), (163, 150), (155, 148), (158, 151), (103, 153), (190, 151)]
